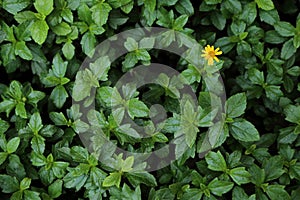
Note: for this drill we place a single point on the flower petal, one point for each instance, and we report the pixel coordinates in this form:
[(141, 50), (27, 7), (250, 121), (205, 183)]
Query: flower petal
[(218, 53)]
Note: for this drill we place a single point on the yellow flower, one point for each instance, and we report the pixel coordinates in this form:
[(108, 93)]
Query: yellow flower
[(210, 54)]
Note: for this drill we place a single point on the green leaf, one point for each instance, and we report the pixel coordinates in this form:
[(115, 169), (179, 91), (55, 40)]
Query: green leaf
[(192, 194), (8, 183), (292, 115), (236, 105), (244, 131), (61, 29), (16, 196), (3, 156), (67, 15), (296, 40), (44, 7), (58, 118), (137, 108), (136, 178), (284, 28), (55, 189), (113, 179), (216, 161), (7, 54), (79, 154), (100, 13), (15, 6), (23, 51), (38, 144), (206, 117), (20, 110), (273, 92), (212, 2), (273, 37), (142, 55), (68, 50), (237, 27), (3, 141), (7, 106), (218, 187), (39, 31), (288, 50), (15, 167), (126, 129), (31, 195), (225, 44), (3, 127), (183, 7), (295, 171), (165, 18), (218, 20), (257, 175), (270, 17), (233, 6), (240, 175), (35, 123), (233, 159), (127, 164), (125, 193), (59, 169), (116, 19), (147, 43), (88, 43), (59, 66), (276, 192), (72, 181), (15, 89), (249, 13), (85, 80), (180, 22), (100, 68), (238, 193), (256, 77), (25, 184), (130, 60), (294, 71), (59, 96), (38, 159), (35, 96), (265, 4), (127, 7), (130, 44), (273, 168), (12, 145), (244, 49), (190, 134), (24, 16)]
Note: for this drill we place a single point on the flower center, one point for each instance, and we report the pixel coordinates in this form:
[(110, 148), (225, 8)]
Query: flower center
[(211, 53)]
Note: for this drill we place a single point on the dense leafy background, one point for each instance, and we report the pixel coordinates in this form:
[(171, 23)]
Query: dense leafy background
[(42, 45)]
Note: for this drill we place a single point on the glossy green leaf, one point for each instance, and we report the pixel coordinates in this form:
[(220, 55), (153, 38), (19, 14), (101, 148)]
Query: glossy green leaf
[(265, 4), (39, 31), (113, 179), (244, 131), (12, 145), (216, 161), (44, 7)]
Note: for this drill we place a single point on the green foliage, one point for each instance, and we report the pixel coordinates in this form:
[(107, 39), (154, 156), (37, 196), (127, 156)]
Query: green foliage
[(43, 127)]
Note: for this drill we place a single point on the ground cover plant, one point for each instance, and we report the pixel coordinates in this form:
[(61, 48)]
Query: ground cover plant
[(251, 45)]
